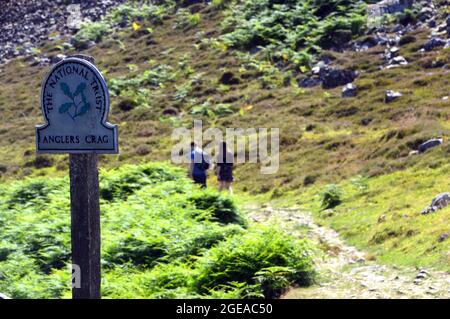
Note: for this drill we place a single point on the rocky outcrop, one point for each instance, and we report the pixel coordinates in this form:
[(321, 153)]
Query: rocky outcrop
[(26, 23), (328, 77), (389, 7)]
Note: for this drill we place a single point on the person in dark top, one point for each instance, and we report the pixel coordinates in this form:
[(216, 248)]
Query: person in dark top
[(224, 168), (199, 164)]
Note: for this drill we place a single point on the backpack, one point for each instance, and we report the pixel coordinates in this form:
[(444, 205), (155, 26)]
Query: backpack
[(204, 165)]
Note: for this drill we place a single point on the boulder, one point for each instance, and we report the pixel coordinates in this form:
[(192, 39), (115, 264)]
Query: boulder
[(309, 82), (434, 43), (399, 60), (332, 78), (430, 144), (350, 90), (396, 62), (439, 202), (391, 96), (392, 53)]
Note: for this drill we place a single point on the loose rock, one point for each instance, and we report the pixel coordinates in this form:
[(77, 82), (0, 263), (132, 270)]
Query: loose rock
[(350, 90), (332, 78), (443, 237), (391, 96), (430, 144), (434, 43), (399, 60), (439, 202)]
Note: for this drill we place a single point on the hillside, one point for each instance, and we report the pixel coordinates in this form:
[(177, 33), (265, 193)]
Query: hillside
[(166, 78), (274, 64)]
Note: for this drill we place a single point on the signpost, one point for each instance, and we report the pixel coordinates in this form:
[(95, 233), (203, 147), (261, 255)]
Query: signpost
[(75, 105)]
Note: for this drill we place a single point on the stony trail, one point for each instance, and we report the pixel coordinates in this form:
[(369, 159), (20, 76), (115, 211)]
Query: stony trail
[(344, 271)]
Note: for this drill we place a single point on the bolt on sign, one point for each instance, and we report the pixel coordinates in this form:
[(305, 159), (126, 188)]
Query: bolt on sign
[(75, 105)]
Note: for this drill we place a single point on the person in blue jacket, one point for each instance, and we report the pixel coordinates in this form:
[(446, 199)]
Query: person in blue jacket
[(199, 165)]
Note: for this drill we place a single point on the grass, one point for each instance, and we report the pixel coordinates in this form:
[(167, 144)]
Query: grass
[(382, 216), (162, 237)]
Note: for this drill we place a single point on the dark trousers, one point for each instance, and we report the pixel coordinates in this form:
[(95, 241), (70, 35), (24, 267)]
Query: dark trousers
[(200, 179)]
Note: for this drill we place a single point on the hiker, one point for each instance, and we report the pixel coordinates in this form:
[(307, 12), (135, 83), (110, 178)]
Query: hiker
[(199, 164), (224, 168)]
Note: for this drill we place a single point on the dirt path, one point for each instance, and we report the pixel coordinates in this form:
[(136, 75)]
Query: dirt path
[(344, 270)]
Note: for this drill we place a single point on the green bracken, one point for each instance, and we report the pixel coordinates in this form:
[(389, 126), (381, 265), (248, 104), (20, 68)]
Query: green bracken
[(161, 237)]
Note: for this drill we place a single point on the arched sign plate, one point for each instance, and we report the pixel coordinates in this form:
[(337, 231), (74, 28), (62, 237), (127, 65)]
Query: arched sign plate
[(75, 105)]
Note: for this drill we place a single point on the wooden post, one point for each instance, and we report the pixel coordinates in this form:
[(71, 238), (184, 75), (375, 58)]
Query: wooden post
[(85, 215), (82, 123)]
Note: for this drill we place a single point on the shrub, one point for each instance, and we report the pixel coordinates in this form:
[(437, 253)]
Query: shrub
[(332, 196), (250, 259), (339, 31), (133, 85), (92, 31), (207, 109), (221, 207), (140, 252), (26, 192), (120, 183), (309, 180)]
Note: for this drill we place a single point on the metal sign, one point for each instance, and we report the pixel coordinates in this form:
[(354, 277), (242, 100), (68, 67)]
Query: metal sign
[(75, 105)]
